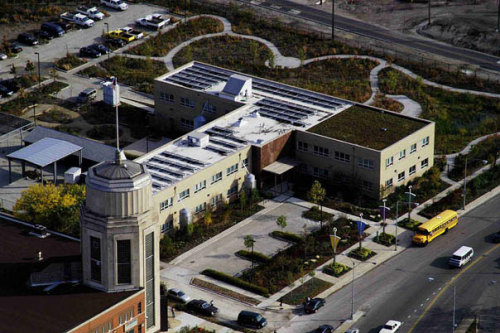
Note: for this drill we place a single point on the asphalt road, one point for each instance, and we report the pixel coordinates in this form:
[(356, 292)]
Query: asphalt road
[(378, 33), (414, 287)]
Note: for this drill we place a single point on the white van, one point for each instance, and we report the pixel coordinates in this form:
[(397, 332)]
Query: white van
[(461, 256)]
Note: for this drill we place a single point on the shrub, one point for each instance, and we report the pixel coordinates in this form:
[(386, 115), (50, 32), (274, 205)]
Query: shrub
[(167, 247), (314, 214), (288, 236), (412, 225), (385, 239), (336, 270), (253, 256), (361, 253), (236, 282)]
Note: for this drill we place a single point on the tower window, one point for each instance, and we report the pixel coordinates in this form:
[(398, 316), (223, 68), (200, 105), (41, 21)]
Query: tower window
[(95, 259), (123, 261)]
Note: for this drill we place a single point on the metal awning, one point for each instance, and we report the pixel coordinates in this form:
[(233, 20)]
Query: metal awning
[(45, 152), (281, 166)]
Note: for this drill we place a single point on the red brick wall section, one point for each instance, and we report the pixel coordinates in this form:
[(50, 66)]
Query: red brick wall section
[(269, 153), (113, 315)]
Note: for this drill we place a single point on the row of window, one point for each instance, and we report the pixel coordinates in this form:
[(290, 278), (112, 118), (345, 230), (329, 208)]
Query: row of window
[(402, 175), (185, 101), (123, 260), (338, 155), (187, 123), (402, 154), (167, 97), (323, 173)]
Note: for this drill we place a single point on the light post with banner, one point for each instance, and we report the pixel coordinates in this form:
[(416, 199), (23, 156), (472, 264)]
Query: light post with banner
[(384, 210), (361, 227), (334, 239)]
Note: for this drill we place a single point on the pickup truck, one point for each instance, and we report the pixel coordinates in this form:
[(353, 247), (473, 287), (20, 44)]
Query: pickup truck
[(154, 21), (121, 35), (116, 4), (78, 19), (91, 12), (138, 34)]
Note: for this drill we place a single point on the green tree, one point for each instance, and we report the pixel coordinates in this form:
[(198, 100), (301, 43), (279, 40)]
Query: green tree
[(54, 74), (56, 207), (188, 230), (316, 195), (249, 242), (30, 66), (207, 218), (255, 196), (281, 222), (302, 55), (243, 201), (13, 70), (271, 60), (167, 248)]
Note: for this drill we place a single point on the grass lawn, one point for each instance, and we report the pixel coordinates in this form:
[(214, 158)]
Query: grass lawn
[(69, 62), (459, 117), (138, 73), (162, 43), (475, 188), (311, 288)]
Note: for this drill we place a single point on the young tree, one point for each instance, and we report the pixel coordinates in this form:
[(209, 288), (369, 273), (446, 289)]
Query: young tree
[(281, 222), (316, 195), (54, 74), (13, 70), (255, 197), (271, 60), (249, 242), (243, 201), (30, 66), (207, 218)]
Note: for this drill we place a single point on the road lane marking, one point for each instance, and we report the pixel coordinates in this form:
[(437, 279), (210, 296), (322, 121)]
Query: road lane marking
[(449, 283)]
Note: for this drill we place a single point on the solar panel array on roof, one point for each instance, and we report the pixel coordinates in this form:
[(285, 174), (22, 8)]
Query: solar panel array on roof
[(222, 133), (199, 76), (296, 94)]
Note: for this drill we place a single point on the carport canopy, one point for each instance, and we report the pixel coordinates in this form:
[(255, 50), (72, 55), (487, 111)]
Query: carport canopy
[(44, 152), (281, 166)]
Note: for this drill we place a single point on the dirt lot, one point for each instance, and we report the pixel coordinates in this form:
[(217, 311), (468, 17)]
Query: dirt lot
[(461, 22)]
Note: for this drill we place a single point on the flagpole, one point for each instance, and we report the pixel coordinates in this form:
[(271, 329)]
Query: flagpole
[(360, 231), (334, 249)]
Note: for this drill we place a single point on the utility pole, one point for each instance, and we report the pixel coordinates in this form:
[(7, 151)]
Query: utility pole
[(396, 235), (465, 182), (410, 195), (454, 295), (39, 77)]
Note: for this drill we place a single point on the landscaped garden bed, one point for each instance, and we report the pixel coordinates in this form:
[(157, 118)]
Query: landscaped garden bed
[(162, 43), (475, 188), (361, 254), (55, 116), (236, 282), (253, 256), (383, 102), (336, 270), (287, 236), (138, 73), (314, 213), (384, 239), (69, 62), (224, 291), (459, 117), (311, 288), (410, 225)]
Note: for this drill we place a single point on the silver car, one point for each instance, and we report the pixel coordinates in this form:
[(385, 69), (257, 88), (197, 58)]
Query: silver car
[(3, 56), (178, 295)]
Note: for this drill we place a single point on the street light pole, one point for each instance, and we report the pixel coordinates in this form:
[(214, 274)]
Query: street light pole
[(454, 294), (465, 180), (396, 235), (107, 26), (410, 195), (352, 291), (360, 233), (39, 80)]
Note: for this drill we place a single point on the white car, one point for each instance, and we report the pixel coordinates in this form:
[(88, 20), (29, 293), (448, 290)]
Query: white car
[(3, 56), (178, 295), (391, 326), (116, 4)]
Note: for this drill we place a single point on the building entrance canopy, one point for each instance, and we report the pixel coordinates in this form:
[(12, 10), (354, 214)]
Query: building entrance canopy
[(281, 166)]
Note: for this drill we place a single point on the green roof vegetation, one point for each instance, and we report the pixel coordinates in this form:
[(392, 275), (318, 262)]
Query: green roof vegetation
[(367, 127)]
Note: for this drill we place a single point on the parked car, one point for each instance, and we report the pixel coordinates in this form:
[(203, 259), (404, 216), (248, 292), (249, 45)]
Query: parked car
[(86, 95), (202, 307), (53, 29), (324, 329), (3, 56), (178, 295), (27, 39), (116, 4), (391, 326), (100, 48), (91, 12), (15, 48), (153, 21), (79, 19), (65, 25), (5, 92), (87, 51), (495, 238), (313, 305), (41, 34), (115, 42), (11, 84), (121, 35), (251, 319), (352, 330), (138, 34)]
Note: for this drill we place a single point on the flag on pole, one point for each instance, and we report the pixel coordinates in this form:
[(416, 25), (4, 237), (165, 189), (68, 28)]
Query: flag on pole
[(334, 239), (361, 226), (384, 211)]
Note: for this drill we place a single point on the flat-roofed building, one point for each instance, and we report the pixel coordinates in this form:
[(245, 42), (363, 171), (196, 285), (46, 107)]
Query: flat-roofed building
[(239, 126)]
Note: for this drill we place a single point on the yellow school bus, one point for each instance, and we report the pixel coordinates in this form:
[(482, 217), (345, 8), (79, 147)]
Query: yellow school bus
[(436, 226)]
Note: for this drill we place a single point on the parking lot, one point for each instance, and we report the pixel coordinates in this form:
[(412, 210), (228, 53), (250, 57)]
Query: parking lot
[(75, 39)]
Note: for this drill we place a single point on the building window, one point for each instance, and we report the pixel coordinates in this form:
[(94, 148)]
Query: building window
[(388, 183), (232, 169), (321, 173), (139, 329), (166, 97), (365, 163), (424, 163), (200, 186), (215, 200), (402, 154), (217, 177), (389, 161), (95, 259), (184, 194), (232, 191), (210, 108), (149, 253), (339, 156), (425, 141), (165, 204), (168, 225), (367, 185), (244, 163), (200, 208), (302, 146), (401, 176), (413, 148), (412, 170), (139, 307), (321, 151), (187, 123), (123, 261), (187, 102)]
